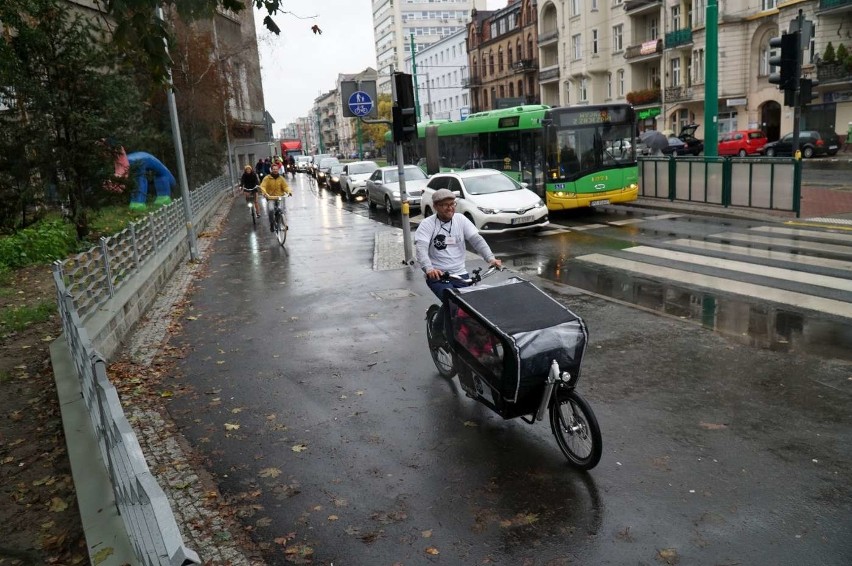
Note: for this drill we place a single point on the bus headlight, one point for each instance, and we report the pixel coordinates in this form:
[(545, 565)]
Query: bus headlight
[(632, 186)]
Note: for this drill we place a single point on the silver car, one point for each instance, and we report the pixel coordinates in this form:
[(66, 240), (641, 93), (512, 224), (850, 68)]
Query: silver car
[(383, 187)]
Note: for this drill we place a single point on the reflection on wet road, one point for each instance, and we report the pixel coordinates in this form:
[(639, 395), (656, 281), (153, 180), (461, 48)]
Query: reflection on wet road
[(770, 286)]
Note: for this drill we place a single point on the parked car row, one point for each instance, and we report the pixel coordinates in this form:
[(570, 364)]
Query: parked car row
[(494, 202), (744, 143)]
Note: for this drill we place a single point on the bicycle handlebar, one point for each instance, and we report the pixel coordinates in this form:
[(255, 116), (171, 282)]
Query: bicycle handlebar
[(475, 278)]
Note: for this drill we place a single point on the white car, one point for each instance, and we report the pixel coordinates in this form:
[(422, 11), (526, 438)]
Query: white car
[(303, 162), (353, 180), (494, 202)]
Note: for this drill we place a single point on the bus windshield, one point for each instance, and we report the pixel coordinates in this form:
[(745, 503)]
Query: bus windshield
[(578, 149)]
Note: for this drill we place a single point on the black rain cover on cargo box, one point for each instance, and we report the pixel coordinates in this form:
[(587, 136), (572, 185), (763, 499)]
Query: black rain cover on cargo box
[(537, 328)]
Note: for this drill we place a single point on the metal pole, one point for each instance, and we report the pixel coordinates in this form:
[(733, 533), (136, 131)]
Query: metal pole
[(797, 111), (319, 134), (413, 79), (711, 82), (360, 141), (184, 185), (429, 96), (403, 194)]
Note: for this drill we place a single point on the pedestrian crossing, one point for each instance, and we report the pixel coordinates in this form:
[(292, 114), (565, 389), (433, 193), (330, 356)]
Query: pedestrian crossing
[(803, 268)]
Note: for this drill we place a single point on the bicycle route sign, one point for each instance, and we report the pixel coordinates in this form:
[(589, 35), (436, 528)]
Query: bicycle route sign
[(360, 103)]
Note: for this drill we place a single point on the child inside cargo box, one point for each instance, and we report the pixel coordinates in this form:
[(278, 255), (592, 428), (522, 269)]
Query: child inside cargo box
[(478, 341)]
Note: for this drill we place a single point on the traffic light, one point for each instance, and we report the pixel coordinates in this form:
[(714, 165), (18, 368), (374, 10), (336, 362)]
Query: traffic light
[(404, 112), (787, 61), (806, 93)]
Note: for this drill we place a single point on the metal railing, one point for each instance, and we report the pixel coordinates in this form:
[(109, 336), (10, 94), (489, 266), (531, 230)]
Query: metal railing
[(93, 277), (772, 184), (85, 283)]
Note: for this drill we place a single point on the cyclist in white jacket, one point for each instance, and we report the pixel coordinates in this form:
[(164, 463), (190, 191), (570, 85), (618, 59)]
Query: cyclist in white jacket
[(440, 243)]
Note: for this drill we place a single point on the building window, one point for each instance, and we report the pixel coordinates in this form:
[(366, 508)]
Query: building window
[(767, 4), (491, 63), (653, 28), (689, 75), (594, 42), (518, 49), (520, 88), (511, 90), (620, 76), (502, 91), (675, 18), (493, 98), (608, 86), (577, 46), (594, 5), (698, 66), (618, 37), (510, 60), (698, 11), (575, 7), (655, 77), (500, 59), (675, 71), (583, 90)]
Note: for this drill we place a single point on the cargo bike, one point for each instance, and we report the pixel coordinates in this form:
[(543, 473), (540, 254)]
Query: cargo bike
[(518, 352)]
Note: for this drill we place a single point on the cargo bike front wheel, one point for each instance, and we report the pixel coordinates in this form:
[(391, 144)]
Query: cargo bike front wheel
[(576, 428), (438, 347)]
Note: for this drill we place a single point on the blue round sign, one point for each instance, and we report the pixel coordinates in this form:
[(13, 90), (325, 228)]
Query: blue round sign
[(360, 103)]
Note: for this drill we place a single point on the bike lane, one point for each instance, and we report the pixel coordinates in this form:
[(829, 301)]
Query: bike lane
[(308, 391)]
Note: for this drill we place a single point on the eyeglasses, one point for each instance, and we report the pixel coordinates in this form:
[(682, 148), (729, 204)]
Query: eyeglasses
[(446, 204)]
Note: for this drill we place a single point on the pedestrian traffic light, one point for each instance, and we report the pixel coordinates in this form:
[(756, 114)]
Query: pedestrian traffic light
[(787, 60), (404, 112), (806, 93)]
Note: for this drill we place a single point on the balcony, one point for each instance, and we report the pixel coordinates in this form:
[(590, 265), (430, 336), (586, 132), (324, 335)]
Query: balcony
[(833, 73), (468, 82), (647, 96), (548, 75), (678, 93), (834, 6), (679, 38), (548, 37), (646, 49), (638, 7), (525, 66)]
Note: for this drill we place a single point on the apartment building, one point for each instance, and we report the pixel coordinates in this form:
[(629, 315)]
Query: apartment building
[(503, 56), (396, 21), (441, 75), (652, 53), (327, 117)]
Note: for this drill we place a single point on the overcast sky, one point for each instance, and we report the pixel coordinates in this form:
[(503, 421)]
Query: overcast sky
[(298, 65)]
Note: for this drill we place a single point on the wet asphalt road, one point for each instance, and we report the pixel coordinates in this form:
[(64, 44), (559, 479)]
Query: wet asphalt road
[(348, 443)]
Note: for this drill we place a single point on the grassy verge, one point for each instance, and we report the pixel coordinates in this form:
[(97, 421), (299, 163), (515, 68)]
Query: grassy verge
[(15, 319)]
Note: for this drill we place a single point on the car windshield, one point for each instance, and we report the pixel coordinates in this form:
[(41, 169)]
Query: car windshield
[(487, 184), (301, 158), (412, 173), (329, 162), (359, 168), (337, 169)]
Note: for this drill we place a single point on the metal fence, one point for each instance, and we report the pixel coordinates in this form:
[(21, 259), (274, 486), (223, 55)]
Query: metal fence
[(773, 184), (84, 283), (93, 277), (143, 505)]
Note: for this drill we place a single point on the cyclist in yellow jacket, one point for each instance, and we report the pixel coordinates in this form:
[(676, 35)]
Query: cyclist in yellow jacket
[(274, 187)]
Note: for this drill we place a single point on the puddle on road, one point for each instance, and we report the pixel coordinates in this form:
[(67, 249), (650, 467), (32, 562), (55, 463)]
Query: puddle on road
[(764, 325)]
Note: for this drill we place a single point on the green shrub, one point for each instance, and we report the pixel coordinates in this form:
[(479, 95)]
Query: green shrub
[(841, 54), (828, 56), (44, 242)]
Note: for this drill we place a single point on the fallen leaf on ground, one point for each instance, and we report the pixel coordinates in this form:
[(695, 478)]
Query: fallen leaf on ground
[(668, 555), (269, 473), (426, 534), (237, 410), (713, 426), (333, 517), (102, 555), (263, 522), (299, 448), (231, 426), (57, 505), (470, 423), (432, 550)]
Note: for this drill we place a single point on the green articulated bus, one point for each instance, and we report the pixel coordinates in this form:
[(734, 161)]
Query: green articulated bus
[(575, 157)]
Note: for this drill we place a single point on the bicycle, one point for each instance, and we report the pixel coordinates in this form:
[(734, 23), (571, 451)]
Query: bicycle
[(511, 359), (279, 220), (251, 199)]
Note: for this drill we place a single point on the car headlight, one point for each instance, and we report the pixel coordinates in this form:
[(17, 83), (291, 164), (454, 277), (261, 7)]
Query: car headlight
[(540, 203), (321, 174), (335, 179), (487, 210)]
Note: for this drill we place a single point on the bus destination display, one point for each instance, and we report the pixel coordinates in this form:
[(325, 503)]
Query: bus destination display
[(592, 117)]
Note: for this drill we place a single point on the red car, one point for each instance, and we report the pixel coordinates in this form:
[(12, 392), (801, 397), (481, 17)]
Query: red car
[(742, 143)]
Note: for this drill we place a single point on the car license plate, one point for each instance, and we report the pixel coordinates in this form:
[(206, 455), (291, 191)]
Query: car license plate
[(832, 147), (599, 202), (522, 219)]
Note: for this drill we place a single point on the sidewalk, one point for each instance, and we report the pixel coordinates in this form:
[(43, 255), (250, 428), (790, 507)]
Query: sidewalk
[(207, 521)]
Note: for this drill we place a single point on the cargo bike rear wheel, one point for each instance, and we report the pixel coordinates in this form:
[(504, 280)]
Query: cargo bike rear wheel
[(576, 428)]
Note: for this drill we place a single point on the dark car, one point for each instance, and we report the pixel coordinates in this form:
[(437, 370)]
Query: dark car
[(687, 136), (811, 143), (676, 147)]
